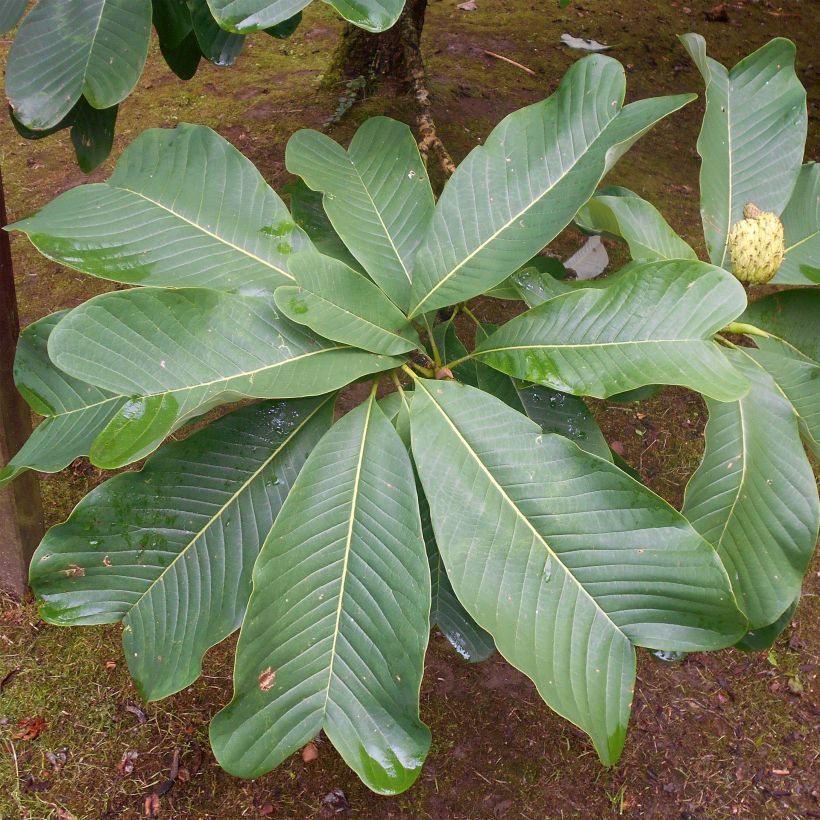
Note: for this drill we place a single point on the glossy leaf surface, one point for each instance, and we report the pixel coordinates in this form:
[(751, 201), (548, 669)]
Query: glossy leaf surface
[(219, 46), (514, 194), (801, 228), (169, 550), (74, 48), (75, 412), (182, 352), (343, 305), (563, 558), (337, 624), (752, 137), (754, 496), (636, 221), (182, 208), (652, 325), (376, 194)]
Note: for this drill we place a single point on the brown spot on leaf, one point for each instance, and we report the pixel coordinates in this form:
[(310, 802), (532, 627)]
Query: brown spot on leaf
[(266, 679)]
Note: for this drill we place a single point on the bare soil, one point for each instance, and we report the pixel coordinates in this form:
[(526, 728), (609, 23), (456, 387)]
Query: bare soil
[(718, 736)]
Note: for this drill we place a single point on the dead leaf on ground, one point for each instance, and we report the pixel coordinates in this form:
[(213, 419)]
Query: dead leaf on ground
[(138, 713), (63, 814), (336, 800), (127, 762), (310, 752), (151, 808), (468, 6), (717, 14), (9, 677), (30, 728)]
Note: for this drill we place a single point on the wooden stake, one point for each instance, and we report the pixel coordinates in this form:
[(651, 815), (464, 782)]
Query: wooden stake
[(21, 509)]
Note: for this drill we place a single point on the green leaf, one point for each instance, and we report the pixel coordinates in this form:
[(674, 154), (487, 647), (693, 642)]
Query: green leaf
[(536, 169), (337, 624), (450, 347), (343, 305), (93, 135), (219, 46), (371, 15), (758, 640), (563, 558), (636, 221), (169, 550), (798, 378), (376, 194), (309, 214), (172, 20), (752, 137), (75, 412), (10, 13), (283, 30), (801, 228), (66, 49), (557, 412), (473, 643), (546, 267), (754, 496), (652, 325), (182, 208), (245, 16), (183, 59), (790, 315), (182, 352)]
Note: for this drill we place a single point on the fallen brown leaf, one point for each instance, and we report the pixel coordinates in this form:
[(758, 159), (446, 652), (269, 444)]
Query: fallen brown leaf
[(30, 728), (151, 808), (127, 762), (310, 752)]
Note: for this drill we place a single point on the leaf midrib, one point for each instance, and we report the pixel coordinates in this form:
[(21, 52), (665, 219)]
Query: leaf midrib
[(503, 493), (204, 230), (220, 512), (515, 218), (348, 542)]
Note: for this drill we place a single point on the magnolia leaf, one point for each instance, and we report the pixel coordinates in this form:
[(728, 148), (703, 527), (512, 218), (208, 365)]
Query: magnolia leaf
[(219, 46), (790, 315), (172, 21), (182, 352), (376, 194), (343, 305), (337, 623), (182, 208), (66, 49), (527, 182), (473, 643), (756, 640), (169, 550), (10, 13), (245, 16), (562, 557), (752, 137), (652, 325), (75, 412), (183, 59), (798, 378), (371, 15), (801, 228), (754, 496), (636, 221)]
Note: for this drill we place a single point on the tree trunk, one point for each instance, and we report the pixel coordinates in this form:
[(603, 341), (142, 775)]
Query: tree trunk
[(385, 55), (21, 512)]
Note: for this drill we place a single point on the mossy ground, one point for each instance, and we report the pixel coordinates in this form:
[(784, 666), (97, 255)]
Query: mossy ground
[(721, 735)]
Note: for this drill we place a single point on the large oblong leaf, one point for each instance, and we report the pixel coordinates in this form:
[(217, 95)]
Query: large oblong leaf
[(343, 305), (10, 12), (752, 137), (754, 496), (514, 194), (636, 221), (652, 325), (562, 557), (182, 352), (219, 46), (182, 208), (74, 412), (376, 194), (337, 624), (790, 315), (245, 16), (169, 550), (801, 228), (66, 49)]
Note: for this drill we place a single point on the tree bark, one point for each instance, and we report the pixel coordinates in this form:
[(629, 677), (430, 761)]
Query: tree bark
[(395, 56), (21, 511), (362, 54)]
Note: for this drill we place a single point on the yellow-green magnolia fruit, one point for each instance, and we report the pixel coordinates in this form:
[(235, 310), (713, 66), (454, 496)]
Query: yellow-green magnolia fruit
[(756, 246)]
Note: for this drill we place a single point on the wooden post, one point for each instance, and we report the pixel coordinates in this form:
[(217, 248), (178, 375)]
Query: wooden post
[(21, 509)]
